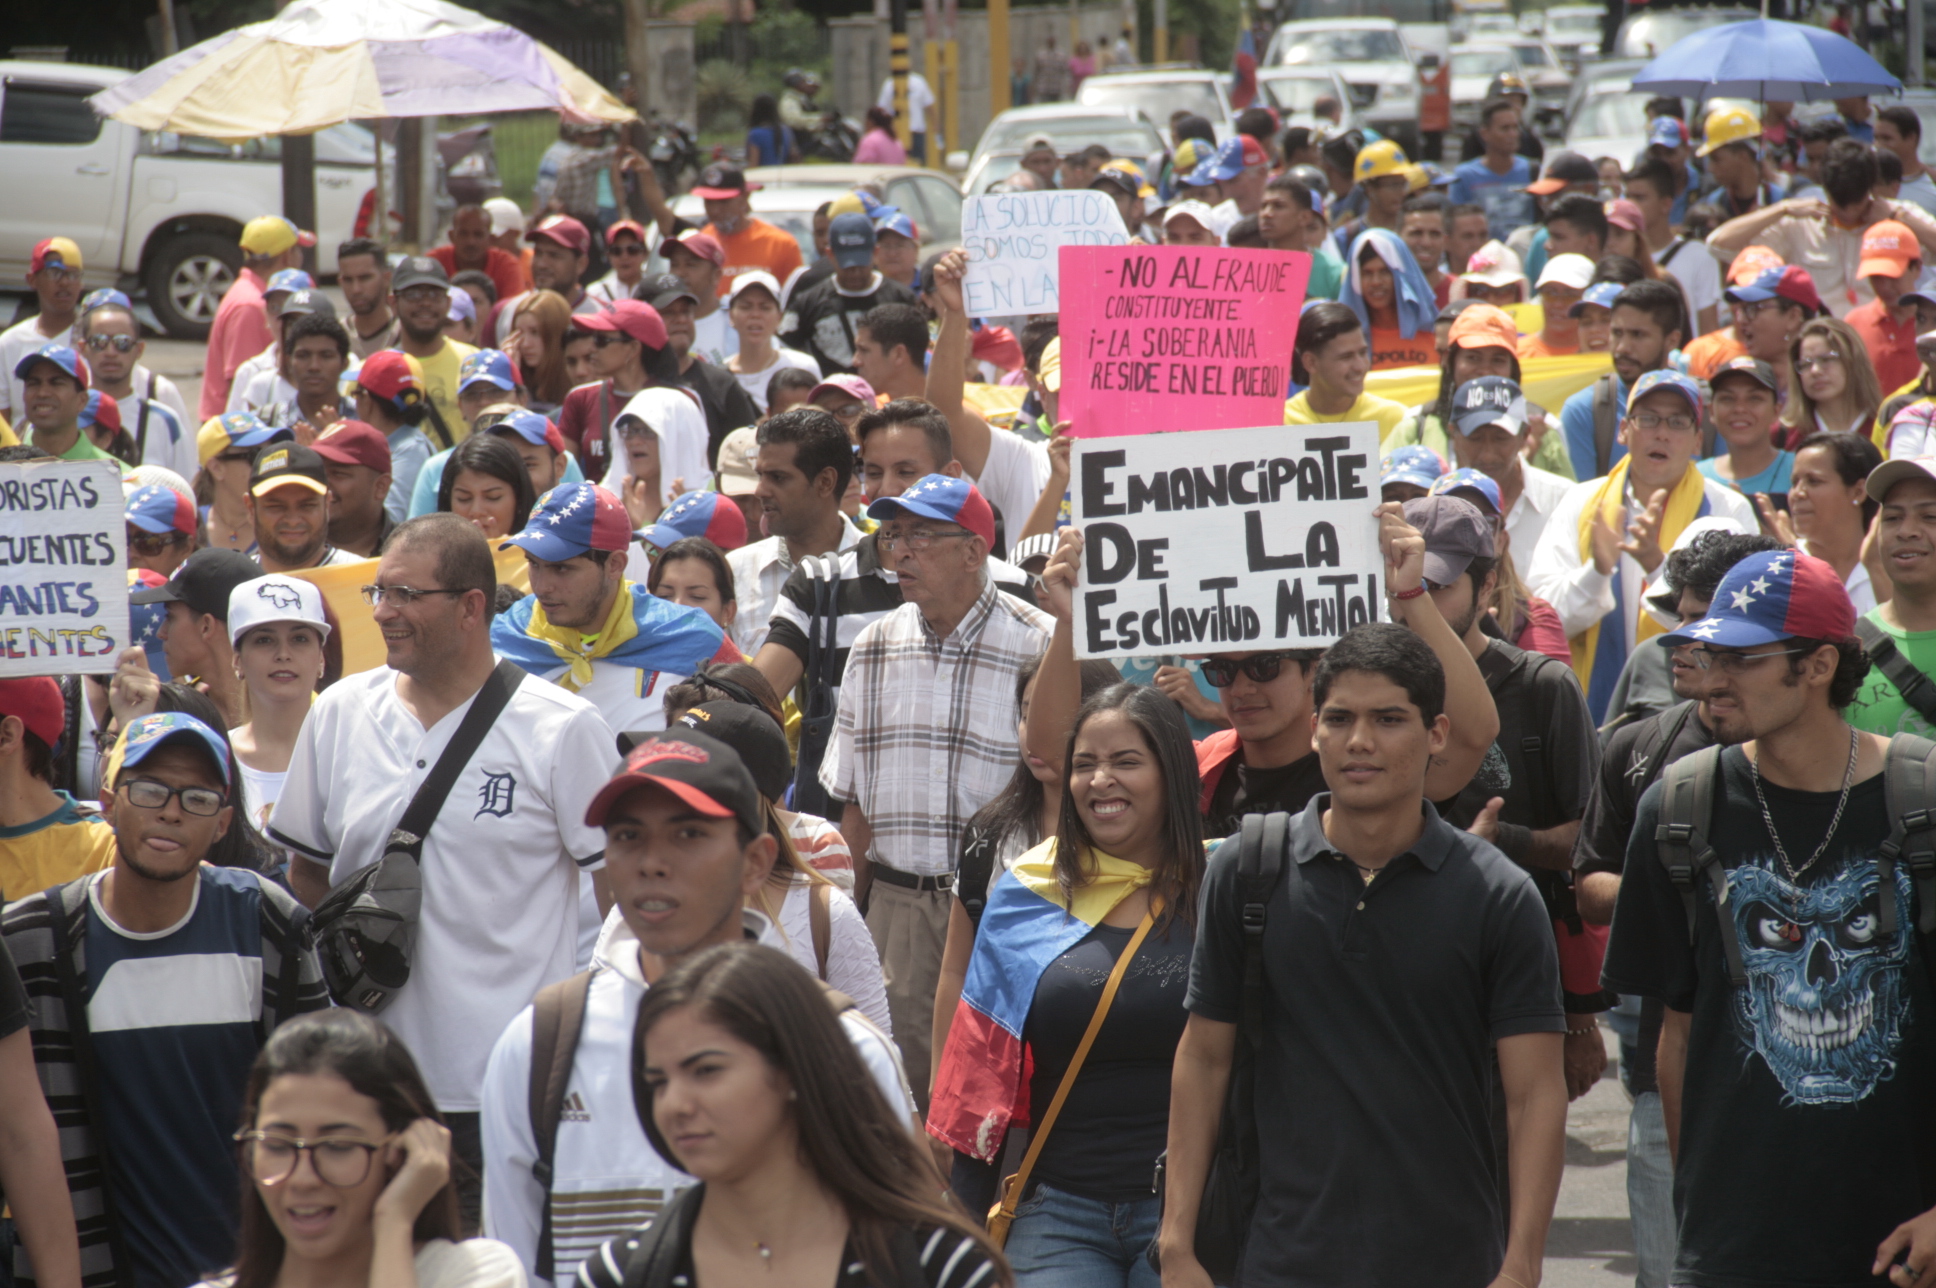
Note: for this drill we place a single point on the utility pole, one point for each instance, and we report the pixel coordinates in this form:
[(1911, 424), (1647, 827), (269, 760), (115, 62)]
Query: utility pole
[(170, 40), (637, 14), (999, 59), (898, 68)]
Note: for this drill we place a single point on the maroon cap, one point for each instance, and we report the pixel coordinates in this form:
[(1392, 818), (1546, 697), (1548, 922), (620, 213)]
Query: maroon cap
[(704, 245), (564, 230), (353, 442), (36, 699), (630, 317)]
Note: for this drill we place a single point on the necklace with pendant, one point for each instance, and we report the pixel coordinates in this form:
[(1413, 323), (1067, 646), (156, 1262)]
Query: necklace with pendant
[(1793, 873)]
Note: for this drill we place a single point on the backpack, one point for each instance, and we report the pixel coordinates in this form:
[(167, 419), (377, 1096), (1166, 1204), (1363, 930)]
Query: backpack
[(1687, 814)]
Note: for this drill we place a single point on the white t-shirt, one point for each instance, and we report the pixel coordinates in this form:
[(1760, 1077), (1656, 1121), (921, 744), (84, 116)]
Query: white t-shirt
[(260, 790), (247, 372), (266, 389), (500, 865), (1013, 477), (713, 337), (474, 1263), (1695, 269), (755, 382), (16, 342), (919, 99), (853, 962), (171, 435)]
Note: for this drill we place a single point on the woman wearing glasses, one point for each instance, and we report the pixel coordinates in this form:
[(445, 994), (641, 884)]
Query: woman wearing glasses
[(1836, 390), (346, 1169)]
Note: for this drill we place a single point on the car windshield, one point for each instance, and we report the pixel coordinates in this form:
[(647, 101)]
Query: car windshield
[(1482, 62), (1654, 33), (1160, 101), (1534, 56), (1123, 137), (1350, 45), (1610, 116), (1582, 23), (1297, 93)]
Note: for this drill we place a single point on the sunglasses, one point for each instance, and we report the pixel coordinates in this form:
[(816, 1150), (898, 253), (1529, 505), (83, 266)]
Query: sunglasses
[(605, 339), (627, 248), (150, 544), (1261, 667), (119, 343)]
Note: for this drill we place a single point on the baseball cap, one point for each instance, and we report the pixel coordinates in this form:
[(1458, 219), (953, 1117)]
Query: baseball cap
[(1600, 295), (1563, 168), (102, 410), (1117, 181), (1227, 162), (36, 701), (561, 230), (721, 181), (1666, 378), (1773, 595), (491, 366), (462, 307), (897, 221), (354, 442), (1888, 248), (1622, 213), (236, 431), (62, 356), (1493, 264), (1415, 464), (1788, 282), (1377, 160), (1488, 400), (712, 515), (737, 474), (106, 295), (1924, 289), (58, 251), (1472, 486), (1507, 83), (1048, 367), (275, 598), (418, 270), (761, 745), (850, 238), (1667, 132), (160, 510), (392, 375), (144, 737), (754, 277), (1201, 212), (1189, 157), (1483, 326), (1575, 271), (1038, 143), (146, 620), (533, 427), (1891, 472), (1727, 125), (696, 767), (285, 463), (203, 582), (272, 235), (669, 287), (843, 382), (1743, 365), (943, 498), (1455, 533), (287, 280), (1751, 263), (704, 245), (571, 519), (632, 226), (506, 216), (634, 318), (305, 301)]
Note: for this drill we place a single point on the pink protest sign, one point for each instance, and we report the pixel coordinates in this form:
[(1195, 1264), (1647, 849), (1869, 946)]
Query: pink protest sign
[(1158, 338)]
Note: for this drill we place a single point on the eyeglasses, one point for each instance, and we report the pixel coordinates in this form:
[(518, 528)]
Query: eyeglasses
[(625, 248), (1806, 365), (424, 294), (119, 343), (1261, 667), (401, 596), (847, 411), (1679, 422), (918, 540), (1755, 309), (232, 457), (203, 802), (150, 544), (60, 274), (341, 1161), (1728, 663), (604, 339)]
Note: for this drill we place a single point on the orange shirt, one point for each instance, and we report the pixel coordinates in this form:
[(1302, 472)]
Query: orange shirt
[(1390, 349), (1709, 353), (1536, 346), (1891, 344), (757, 244)]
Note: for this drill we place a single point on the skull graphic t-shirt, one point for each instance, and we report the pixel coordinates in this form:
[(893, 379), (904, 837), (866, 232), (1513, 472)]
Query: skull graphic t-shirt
[(1808, 1119)]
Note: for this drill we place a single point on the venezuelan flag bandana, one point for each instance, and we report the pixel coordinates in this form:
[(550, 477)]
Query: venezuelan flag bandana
[(641, 631)]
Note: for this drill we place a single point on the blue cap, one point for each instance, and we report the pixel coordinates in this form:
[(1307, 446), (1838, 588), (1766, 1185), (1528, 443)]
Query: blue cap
[(1416, 464), (1773, 595), (533, 428), (944, 498), (488, 365), (289, 279), (1227, 162), (1666, 378), (105, 296), (1667, 132), (850, 239), (1600, 294), (1470, 481), (149, 734), (711, 515), (61, 356), (571, 519), (895, 221), (145, 622), (157, 509), (1488, 400)]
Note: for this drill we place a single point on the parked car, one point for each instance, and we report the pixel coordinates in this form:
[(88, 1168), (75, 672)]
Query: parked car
[(1575, 30), (1126, 132), (1293, 91), (1651, 32), (930, 198), (151, 211), (1474, 67), (1376, 62), (1611, 122), (1162, 91)]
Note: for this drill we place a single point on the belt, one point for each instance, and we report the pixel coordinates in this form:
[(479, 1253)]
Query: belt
[(908, 881)]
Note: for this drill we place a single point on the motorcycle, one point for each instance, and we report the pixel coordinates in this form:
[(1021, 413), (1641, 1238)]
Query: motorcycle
[(835, 140), (673, 150)]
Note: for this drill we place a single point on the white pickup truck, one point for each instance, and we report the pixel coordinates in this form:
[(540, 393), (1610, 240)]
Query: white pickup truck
[(151, 211)]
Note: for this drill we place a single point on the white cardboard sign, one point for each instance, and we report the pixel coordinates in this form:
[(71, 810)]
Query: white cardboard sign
[(63, 567), (1014, 242)]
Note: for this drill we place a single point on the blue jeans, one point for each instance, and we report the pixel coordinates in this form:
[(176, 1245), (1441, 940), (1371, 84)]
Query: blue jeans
[(1650, 1192), (1061, 1240)]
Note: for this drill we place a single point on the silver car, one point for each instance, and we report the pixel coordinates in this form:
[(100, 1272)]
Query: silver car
[(1294, 92), (1126, 132), (1161, 92), (1376, 62)]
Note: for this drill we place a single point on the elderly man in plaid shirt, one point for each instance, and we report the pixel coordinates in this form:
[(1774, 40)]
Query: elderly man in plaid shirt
[(925, 734)]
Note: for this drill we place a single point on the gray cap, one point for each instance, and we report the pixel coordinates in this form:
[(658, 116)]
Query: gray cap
[(1488, 400), (418, 270), (666, 288), (851, 238), (306, 301), (1753, 368), (1455, 534)]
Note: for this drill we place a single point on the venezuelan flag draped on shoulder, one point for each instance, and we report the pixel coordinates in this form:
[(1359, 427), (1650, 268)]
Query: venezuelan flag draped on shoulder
[(981, 1084)]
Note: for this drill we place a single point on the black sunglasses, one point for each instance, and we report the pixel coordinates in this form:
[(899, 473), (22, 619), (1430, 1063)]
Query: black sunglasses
[(1261, 667)]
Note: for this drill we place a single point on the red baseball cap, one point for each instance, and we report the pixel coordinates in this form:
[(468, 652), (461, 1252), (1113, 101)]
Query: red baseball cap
[(631, 226), (387, 373), (54, 250), (635, 318), (36, 699), (564, 231), (704, 245), (101, 410), (354, 442), (1254, 153), (1789, 282)]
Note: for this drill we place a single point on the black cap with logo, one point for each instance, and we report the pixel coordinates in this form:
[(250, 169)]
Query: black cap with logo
[(203, 582)]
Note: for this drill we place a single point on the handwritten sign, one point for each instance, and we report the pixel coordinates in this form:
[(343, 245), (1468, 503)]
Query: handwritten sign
[(63, 567), (1013, 241), (1228, 541), (1177, 337)]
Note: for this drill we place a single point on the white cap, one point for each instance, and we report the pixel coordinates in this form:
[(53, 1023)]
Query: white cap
[(1575, 271), (155, 476), (1203, 214), (756, 277), (1494, 264), (738, 473), (275, 598), (505, 215)]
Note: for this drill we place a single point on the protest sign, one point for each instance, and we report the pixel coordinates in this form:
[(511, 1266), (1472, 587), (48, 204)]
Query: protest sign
[(63, 567), (1013, 240), (1228, 541), (1177, 337)]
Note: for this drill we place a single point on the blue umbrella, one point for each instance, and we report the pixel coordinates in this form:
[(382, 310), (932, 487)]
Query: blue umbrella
[(1766, 60)]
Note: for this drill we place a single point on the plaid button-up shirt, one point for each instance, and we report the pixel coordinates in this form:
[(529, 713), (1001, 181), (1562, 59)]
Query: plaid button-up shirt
[(926, 730)]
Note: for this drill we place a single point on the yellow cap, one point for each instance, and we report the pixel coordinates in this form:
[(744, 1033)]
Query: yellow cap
[(1377, 160), (272, 235), (1729, 125), (1416, 177), (1134, 171), (847, 205), (1049, 369)]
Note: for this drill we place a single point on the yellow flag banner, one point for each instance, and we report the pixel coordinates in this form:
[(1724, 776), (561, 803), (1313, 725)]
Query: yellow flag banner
[(1546, 382), (350, 619)]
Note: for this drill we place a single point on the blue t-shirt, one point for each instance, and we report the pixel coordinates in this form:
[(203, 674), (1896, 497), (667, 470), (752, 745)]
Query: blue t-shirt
[(772, 151), (175, 1016), (1576, 420), (1502, 196), (1773, 480)]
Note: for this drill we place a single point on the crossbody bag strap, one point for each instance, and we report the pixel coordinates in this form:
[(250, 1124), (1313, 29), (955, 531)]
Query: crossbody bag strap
[(1040, 1136), (489, 704), (820, 897), (1917, 692), (557, 1020), (141, 421)]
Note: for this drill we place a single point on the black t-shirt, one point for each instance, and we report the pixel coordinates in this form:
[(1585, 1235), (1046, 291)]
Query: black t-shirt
[(1539, 698), (821, 320), (1243, 790), (727, 406), (1113, 1125), (1808, 1107), (1381, 1006)]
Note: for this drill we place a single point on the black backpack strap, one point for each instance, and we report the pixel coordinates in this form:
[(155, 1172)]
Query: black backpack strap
[(1909, 793), (1671, 722), (557, 1019), (975, 869), (818, 681), (1262, 842), (1681, 840), (485, 709), (655, 1258), (1915, 687), (1606, 423), (141, 422)]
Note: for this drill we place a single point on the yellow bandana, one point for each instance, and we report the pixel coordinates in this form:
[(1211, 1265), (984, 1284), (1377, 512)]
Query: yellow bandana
[(1113, 881), (579, 649)]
